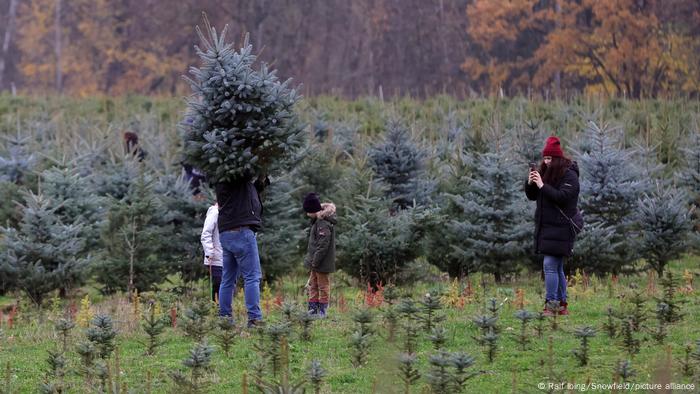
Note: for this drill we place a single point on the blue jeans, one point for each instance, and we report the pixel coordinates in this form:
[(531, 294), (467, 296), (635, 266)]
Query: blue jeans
[(554, 279), (240, 258)]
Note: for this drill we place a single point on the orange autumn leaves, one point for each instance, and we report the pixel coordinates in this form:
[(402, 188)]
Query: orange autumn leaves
[(101, 51), (635, 48)]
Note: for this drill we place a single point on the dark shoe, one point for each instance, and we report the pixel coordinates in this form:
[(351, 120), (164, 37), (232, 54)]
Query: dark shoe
[(313, 307), (256, 323), (322, 309), (563, 308)]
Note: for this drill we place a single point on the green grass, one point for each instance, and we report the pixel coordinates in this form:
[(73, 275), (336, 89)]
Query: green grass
[(25, 347)]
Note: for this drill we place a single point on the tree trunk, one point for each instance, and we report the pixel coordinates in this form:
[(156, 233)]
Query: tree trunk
[(57, 47), (8, 38), (132, 251)]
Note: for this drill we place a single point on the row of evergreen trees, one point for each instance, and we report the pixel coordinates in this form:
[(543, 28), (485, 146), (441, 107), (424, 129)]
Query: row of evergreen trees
[(456, 203)]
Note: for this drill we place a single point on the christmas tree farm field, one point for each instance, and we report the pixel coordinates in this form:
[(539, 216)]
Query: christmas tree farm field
[(445, 336)]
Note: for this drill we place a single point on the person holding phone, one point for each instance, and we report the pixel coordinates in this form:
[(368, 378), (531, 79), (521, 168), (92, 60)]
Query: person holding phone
[(555, 188)]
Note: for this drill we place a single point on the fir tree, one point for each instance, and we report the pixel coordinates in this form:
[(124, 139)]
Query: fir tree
[(491, 230), (400, 162), (42, 255), (318, 171), (17, 163), (376, 245), (133, 239), (282, 234), (75, 202), (240, 121), (184, 216), (689, 176), (102, 334), (609, 192), (664, 226), (528, 137)]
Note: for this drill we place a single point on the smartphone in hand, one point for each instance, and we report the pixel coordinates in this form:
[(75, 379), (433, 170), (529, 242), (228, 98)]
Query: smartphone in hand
[(533, 166)]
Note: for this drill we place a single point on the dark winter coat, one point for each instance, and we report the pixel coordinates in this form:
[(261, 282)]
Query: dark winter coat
[(240, 204), (554, 234), (320, 256)]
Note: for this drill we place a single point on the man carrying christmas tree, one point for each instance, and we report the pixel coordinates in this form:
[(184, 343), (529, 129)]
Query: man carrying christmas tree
[(240, 218), (320, 256)]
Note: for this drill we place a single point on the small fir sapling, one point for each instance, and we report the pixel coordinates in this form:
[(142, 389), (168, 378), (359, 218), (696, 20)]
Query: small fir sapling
[(686, 363), (196, 323), (584, 334), (461, 363), (660, 333), (277, 335), (525, 317), (670, 284), (153, 325), (360, 344), (555, 307), (198, 363), (102, 334), (391, 317), (56, 372), (430, 306), (409, 373), (540, 319), (409, 311), (624, 370), (629, 342), (306, 319), (88, 353), (226, 334), (438, 337), (316, 374), (638, 314), (64, 327), (610, 326), (289, 310), (438, 375)]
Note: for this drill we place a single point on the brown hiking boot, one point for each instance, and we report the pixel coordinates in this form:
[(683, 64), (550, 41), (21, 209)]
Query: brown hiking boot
[(564, 308)]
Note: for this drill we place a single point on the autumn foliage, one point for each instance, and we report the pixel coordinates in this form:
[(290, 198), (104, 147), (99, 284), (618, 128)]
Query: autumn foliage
[(633, 48)]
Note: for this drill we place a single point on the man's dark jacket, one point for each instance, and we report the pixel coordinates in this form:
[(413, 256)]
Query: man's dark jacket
[(240, 204)]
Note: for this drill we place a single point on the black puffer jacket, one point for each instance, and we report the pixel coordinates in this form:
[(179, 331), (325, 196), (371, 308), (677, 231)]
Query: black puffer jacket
[(554, 234), (240, 204)]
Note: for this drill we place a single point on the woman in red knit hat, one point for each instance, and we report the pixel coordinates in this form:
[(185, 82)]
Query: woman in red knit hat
[(555, 187)]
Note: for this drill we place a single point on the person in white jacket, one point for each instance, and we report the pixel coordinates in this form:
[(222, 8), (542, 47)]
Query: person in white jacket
[(213, 253)]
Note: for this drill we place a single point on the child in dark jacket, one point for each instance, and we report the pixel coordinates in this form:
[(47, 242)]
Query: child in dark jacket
[(320, 256)]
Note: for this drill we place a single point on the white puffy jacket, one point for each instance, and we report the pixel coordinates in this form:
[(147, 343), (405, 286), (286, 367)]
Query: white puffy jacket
[(210, 238)]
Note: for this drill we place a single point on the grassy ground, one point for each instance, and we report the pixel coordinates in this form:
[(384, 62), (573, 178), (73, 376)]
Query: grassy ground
[(24, 347)]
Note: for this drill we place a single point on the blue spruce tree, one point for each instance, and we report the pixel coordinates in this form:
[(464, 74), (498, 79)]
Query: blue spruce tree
[(610, 188), (281, 240), (689, 178), (491, 228), (400, 163), (135, 240), (240, 122), (183, 216), (43, 254), (664, 222)]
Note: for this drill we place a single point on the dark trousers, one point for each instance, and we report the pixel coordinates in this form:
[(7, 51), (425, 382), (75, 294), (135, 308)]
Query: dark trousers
[(216, 273)]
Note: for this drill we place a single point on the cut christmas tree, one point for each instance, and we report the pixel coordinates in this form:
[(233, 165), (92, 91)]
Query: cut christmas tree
[(240, 122)]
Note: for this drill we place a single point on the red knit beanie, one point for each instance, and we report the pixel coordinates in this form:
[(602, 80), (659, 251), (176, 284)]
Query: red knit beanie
[(552, 147)]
